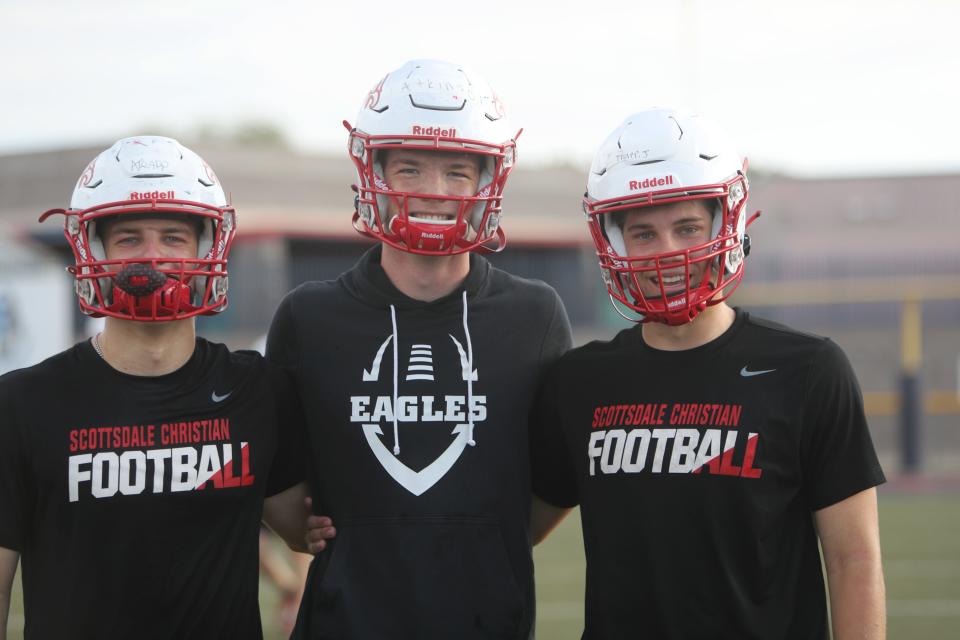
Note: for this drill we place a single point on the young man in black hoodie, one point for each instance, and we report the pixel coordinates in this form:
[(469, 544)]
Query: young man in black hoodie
[(709, 450), (418, 369)]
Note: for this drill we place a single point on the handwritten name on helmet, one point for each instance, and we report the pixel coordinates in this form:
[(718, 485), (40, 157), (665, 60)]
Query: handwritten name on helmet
[(650, 183), (148, 164), (153, 195), (420, 130)]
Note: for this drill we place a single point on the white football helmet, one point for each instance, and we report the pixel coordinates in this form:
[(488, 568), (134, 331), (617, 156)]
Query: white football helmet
[(149, 177), (656, 157), (432, 105)]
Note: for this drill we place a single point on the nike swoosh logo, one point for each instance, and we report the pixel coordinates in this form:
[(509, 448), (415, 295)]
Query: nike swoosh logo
[(216, 398), (746, 374)]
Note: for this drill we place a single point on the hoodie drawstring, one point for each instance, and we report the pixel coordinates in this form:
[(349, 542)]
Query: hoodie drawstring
[(466, 332), (396, 432), (468, 374)]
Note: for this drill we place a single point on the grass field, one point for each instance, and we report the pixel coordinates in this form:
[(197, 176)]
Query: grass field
[(921, 556), (920, 536)]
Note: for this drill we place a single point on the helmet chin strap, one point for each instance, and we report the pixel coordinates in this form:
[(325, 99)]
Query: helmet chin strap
[(501, 243)]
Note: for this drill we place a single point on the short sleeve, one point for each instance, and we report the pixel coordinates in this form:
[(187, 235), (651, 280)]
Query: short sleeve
[(288, 466), (553, 474), (837, 452), (558, 338), (15, 497), (282, 345)]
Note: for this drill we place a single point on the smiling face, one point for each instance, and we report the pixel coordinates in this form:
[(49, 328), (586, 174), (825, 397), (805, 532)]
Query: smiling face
[(668, 231), (439, 173)]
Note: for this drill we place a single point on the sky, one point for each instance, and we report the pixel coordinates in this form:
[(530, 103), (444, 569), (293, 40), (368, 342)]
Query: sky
[(815, 89)]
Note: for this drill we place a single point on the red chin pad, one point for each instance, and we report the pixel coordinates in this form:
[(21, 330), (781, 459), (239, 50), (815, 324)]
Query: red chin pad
[(683, 314), (425, 236)]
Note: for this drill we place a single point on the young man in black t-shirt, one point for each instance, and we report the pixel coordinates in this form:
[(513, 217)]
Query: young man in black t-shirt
[(418, 380), (134, 466), (708, 450)]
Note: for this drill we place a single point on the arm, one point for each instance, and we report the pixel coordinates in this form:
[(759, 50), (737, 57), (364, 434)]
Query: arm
[(288, 573), (275, 567), (319, 530), (552, 473), (850, 536), (8, 569), (544, 518), (286, 513)]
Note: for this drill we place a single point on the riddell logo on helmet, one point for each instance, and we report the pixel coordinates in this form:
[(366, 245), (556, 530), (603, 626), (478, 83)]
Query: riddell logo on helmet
[(649, 183), (153, 195), (420, 130)]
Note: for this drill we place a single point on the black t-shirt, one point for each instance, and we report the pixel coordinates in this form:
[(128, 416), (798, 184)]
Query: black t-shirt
[(418, 436), (135, 502), (697, 472)]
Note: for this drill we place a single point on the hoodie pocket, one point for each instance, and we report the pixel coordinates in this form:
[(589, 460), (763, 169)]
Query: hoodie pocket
[(423, 578)]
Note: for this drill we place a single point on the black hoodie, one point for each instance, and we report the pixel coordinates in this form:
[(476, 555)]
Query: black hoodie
[(431, 501)]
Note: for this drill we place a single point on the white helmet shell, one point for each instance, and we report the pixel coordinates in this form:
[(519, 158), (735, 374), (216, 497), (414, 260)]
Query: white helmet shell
[(660, 156), (435, 98), (144, 167), (150, 176), (433, 105)]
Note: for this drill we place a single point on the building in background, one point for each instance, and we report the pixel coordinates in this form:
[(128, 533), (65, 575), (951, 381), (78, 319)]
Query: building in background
[(832, 256), (35, 305)]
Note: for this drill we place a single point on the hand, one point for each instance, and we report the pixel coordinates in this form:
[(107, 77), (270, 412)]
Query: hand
[(319, 530)]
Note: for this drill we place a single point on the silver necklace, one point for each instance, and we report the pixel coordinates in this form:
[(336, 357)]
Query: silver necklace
[(97, 347)]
